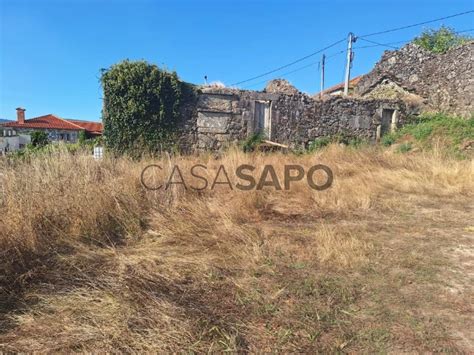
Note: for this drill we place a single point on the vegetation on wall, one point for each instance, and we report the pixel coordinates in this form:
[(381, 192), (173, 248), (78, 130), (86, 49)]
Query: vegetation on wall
[(441, 40), (141, 106)]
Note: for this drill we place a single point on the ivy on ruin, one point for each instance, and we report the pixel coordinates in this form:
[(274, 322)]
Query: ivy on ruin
[(141, 107)]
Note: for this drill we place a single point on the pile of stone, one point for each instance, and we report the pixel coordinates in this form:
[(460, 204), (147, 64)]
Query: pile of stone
[(281, 86)]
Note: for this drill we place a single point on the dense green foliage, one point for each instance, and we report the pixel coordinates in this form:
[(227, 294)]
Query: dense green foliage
[(39, 139), (432, 129), (441, 40), (141, 106)]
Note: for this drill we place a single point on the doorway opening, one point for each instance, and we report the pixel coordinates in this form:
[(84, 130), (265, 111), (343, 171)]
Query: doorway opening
[(263, 120), (387, 120)]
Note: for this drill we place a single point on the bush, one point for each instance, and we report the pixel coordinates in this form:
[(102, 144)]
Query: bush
[(389, 139), (141, 106), (405, 147), (441, 40), (421, 131), (319, 143), (82, 137), (39, 139), (357, 142), (252, 142)]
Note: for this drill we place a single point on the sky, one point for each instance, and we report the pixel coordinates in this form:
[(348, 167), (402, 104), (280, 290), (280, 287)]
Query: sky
[(52, 51)]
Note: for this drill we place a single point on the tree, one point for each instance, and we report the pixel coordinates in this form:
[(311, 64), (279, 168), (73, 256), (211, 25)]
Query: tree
[(141, 106), (82, 137), (441, 40), (39, 139)]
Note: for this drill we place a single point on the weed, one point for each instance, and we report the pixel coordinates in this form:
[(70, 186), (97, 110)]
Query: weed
[(404, 147), (251, 143), (319, 143)]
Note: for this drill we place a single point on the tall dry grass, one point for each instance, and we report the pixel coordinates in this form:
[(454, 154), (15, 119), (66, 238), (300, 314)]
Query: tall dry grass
[(102, 263)]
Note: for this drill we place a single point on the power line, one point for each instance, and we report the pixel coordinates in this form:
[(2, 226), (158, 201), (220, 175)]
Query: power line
[(296, 70), (470, 30), (335, 54), (378, 44), (417, 24), (284, 74), (289, 64), (374, 44), (343, 40)]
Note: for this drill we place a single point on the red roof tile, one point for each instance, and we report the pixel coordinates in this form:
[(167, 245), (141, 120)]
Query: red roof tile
[(53, 122), (353, 82), (92, 127)]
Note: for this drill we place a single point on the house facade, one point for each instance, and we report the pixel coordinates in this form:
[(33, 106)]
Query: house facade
[(16, 135)]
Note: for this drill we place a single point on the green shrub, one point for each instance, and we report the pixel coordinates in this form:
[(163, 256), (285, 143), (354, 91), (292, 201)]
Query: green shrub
[(319, 143), (357, 142), (422, 131), (405, 147), (389, 139), (249, 144), (441, 40), (39, 139), (142, 105), (82, 137)]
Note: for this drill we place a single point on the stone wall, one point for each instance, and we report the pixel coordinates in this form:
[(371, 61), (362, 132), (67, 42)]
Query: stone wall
[(445, 82), (224, 116)]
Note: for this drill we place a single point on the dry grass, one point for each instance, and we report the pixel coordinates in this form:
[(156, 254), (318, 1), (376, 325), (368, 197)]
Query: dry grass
[(92, 261)]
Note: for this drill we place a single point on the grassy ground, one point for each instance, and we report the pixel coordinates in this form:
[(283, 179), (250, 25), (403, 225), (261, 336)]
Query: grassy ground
[(381, 261)]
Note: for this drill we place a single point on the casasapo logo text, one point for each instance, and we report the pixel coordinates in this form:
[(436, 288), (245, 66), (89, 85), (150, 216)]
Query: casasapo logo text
[(246, 177)]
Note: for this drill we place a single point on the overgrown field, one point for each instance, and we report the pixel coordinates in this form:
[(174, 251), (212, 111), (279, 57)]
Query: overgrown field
[(380, 261)]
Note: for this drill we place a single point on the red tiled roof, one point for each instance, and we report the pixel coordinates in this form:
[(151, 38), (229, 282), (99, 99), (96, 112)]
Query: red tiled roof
[(92, 127), (353, 82), (53, 122)]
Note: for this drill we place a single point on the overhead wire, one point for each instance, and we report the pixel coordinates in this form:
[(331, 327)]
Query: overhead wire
[(362, 37), (417, 24), (290, 64)]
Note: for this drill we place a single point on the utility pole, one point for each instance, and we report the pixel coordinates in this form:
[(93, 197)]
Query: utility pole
[(351, 39), (323, 59)]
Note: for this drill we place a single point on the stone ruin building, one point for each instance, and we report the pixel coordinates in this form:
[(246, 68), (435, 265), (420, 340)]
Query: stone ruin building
[(404, 82)]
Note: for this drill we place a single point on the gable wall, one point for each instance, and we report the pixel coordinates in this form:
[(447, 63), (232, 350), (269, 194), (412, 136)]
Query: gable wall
[(445, 81)]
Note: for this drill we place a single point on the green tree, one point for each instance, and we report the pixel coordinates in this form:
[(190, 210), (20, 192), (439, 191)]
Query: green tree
[(82, 137), (39, 139), (141, 106), (441, 40)]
